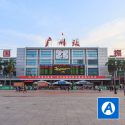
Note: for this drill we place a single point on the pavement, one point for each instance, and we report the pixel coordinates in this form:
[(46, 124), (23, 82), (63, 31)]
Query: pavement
[(55, 107)]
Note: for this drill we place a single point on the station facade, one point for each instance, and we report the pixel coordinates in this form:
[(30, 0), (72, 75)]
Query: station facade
[(67, 63)]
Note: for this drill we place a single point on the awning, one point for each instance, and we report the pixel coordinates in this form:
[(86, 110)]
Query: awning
[(62, 82), (42, 83), (83, 83)]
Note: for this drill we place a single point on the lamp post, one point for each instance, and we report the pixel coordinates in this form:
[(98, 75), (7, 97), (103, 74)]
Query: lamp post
[(4, 74), (119, 76), (115, 74)]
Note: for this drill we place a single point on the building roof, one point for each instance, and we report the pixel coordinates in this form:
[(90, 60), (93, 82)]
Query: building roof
[(64, 47)]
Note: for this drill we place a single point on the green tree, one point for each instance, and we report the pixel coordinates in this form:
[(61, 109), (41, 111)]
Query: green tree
[(0, 64), (119, 68), (1, 67), (123, 68), (112, 68), (10, 69)]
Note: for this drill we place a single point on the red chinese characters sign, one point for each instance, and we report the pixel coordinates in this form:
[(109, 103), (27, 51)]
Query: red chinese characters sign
[(62, 77), (117, 53), (6, 53)]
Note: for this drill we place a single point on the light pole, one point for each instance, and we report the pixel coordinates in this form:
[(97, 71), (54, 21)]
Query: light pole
[(115, 74), (4, 75)]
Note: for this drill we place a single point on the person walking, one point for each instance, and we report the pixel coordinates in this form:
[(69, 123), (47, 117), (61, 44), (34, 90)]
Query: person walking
[(24, 89), (99, 89), (115, 90), (68, 88), (124, 90)]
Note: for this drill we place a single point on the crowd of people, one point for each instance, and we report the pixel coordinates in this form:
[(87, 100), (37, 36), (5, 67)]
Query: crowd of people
[(25, 88)]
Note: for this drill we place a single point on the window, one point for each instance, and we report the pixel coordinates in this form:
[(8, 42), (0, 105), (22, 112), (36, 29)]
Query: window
[(31, 71), (45, 61), (92, 53), (93, 62), (93, 71), (31, 62), (45, 53), (31, 53), (78, 53), (78, 61), (61, 61), (46, 70)]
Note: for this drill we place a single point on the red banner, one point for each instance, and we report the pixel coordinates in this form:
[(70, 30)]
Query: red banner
[(62, 77), (6, 53)]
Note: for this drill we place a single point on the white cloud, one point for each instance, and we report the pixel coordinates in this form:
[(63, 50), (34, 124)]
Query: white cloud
[(19, 35), (110, 35), (10, 39)]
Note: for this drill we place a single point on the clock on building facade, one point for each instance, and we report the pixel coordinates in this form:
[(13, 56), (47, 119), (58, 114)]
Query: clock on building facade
[(62, 54)]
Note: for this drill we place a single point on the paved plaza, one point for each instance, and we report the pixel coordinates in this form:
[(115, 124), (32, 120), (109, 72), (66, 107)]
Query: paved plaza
[(55, 107)]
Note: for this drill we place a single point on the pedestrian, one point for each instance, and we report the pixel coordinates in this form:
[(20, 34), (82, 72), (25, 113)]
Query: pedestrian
[(115, 90), (19, 88), (124, 90), (68, 88), (24, 88), (99, 89)]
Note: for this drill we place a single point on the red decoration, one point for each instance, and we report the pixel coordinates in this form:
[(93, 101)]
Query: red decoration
[(117, 53), (62, 77), (47, 42), (62, 42), (6, 53), (75, 43)]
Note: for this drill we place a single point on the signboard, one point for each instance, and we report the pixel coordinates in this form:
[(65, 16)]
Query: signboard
[(62, 69), (6, 53), (62, 77), (117, 53), (108, 108)]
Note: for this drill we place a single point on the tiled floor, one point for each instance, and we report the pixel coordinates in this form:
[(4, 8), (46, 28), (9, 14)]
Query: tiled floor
[(55, 107)]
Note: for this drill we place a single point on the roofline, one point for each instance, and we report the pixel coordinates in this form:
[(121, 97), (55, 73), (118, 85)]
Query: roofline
[(63, 47)]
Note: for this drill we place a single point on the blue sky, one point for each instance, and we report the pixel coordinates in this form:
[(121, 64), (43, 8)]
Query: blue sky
[(95, 22)]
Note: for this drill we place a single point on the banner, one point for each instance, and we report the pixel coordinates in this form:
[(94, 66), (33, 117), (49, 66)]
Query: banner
[(62, 77)]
